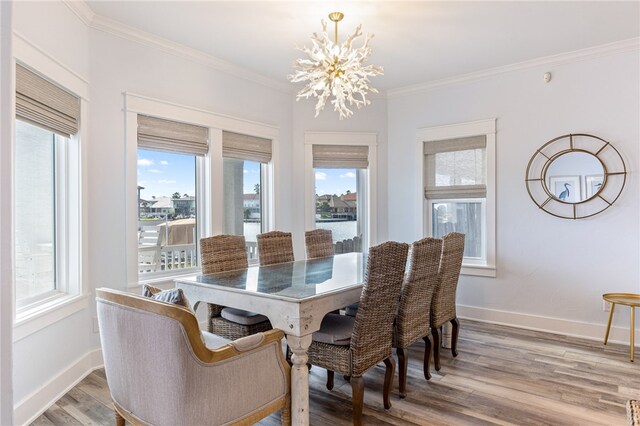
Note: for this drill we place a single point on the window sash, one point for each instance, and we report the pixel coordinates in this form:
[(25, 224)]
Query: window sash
[(468, 260)]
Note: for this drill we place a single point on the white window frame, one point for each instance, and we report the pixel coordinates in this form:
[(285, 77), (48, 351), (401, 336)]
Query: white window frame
[(423, 224), (210, 192), (71, 294), (369, 218)]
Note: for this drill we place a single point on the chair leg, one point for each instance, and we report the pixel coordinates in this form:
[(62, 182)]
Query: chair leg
[(285, 414), (329, 379), (455, 329), (119, 418), (388, 381), (357, 387), (435, 332), (403, 362), (427, 356)]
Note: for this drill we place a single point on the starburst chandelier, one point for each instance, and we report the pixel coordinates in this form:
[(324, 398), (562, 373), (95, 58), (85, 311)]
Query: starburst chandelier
[(336, 70)]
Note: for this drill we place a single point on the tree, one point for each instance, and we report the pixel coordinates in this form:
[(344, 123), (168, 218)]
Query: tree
[(176, 195), (256, 188), (185, 196)]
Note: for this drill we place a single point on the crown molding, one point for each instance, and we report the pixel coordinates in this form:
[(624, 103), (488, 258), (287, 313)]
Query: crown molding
[(82, 10), (110, 26), (553, 60)]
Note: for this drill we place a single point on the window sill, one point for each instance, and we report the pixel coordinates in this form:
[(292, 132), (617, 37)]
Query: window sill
[(478, 270), (43, 315)]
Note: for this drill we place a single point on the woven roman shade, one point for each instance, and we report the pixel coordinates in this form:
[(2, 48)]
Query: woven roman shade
[(44, 104), (340, 157), (245, 147), (166, 135), (456, 168)]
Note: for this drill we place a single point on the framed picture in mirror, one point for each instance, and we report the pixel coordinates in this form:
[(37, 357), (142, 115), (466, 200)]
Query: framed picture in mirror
[(593, 184), (565, 188)]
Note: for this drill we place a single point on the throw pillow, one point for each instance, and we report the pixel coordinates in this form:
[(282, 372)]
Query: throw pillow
[(173, 295)]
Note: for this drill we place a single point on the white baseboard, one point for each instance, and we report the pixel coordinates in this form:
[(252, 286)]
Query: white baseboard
[(31, 407), (565, 327)]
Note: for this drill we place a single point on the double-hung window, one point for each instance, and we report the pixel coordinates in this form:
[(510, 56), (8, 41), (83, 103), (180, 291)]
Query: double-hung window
[(459, 189), (46, 167), (340, 184), (170, 156), (456, 171), (245, 173)]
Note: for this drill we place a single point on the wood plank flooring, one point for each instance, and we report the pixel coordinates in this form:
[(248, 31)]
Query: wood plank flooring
[(502, 376)]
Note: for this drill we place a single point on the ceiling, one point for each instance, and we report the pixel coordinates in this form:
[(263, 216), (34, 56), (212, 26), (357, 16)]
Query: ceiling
[(415, 42)]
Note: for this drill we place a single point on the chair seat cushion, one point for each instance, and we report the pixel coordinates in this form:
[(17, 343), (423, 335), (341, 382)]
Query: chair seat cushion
[(335, 330), (213, 341), (242, 317), (352, 310)]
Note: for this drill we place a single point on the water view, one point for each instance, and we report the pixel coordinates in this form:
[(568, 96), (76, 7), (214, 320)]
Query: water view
[(341, 230)]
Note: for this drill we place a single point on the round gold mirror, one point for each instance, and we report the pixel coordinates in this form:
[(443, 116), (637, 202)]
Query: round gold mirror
[(575, 176)]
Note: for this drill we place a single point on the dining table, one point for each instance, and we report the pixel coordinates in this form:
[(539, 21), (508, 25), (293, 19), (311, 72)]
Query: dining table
[(295, 296)]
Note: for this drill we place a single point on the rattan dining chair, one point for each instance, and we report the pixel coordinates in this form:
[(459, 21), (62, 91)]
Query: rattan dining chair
[(414, 311), (352, 345), (319, 243), (443, 305), (274, 247), (222, 253)]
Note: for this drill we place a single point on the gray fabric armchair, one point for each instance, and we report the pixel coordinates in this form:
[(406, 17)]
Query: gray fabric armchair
[(162, 371)]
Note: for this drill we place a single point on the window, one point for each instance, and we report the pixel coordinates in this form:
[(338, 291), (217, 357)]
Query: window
[(166, 128), (168, 188), (45, 205), (337, 207), (342, 171), (459, 188), (245, 162)]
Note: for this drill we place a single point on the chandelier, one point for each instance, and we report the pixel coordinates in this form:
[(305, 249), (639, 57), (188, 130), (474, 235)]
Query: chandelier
[(336, 70)]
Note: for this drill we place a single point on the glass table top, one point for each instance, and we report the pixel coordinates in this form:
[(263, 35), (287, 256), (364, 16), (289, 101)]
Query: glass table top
[(293, 280)]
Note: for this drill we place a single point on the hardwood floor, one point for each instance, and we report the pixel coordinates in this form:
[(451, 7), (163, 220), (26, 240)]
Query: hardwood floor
[(501, 376)]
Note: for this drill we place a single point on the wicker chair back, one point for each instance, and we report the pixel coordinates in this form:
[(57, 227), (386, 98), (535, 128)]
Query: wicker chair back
[(414, 312), (319, 243), (274, 247), (372, 336), (443, 306)]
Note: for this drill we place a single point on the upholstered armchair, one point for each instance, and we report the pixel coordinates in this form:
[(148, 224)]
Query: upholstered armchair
[(162, 371)]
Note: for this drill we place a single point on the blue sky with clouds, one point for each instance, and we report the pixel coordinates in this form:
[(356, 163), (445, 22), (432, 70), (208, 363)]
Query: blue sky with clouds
[(163, 173)]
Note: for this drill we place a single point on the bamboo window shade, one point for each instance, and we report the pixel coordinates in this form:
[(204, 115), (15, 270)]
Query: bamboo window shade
[(340, 157), (456, 168), (166, 135), (245, 147), (42, 103)]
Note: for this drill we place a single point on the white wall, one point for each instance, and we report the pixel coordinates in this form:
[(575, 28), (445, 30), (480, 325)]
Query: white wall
[(546, 267)]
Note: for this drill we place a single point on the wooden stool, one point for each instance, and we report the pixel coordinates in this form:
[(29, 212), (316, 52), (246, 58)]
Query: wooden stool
[(629, 299)]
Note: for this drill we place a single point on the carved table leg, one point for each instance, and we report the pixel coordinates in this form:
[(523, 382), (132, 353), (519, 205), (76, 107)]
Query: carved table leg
[(299, 379)]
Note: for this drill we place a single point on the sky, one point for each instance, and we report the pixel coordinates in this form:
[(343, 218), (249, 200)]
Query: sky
[(164, 173)]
